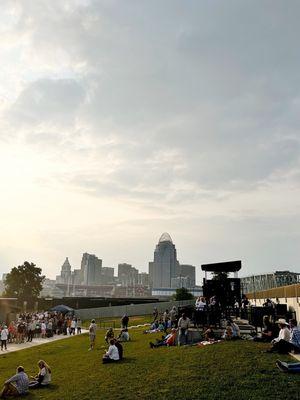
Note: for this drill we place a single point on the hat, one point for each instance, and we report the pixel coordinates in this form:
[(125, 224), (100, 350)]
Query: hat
[(282, 321)]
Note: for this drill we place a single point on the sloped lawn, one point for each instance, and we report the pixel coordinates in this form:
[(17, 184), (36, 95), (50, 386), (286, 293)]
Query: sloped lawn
[(232, 370)]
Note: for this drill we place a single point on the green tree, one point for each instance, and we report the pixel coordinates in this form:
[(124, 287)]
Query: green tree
[(183, 294), (24, 282)]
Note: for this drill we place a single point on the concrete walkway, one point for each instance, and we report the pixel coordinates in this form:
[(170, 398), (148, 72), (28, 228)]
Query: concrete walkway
[(11, 347)]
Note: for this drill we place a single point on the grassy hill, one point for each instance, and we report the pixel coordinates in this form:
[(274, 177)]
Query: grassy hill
[(232, 370)]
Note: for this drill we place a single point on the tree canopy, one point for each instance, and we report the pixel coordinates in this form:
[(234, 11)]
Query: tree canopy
[(183, 294), (24, 282)]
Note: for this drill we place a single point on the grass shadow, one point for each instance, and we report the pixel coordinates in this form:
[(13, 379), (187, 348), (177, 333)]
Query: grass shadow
[(127, 360)]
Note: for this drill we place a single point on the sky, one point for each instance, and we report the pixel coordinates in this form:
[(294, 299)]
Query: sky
[(121, 120)]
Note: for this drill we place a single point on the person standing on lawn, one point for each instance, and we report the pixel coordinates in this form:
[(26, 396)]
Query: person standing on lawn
[(124, 321), (78, 326), (183, 327), (173, 316), (166, 318), (154, 315), (92, 334), (4, 337)]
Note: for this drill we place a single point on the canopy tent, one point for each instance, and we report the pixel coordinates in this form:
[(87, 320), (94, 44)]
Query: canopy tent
[(62, 308)]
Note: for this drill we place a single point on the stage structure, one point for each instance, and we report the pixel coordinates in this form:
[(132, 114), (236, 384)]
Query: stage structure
[(227, 290)]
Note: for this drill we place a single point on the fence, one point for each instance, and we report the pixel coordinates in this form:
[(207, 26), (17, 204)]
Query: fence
[(284, 292), (289, 295), (130, 310)]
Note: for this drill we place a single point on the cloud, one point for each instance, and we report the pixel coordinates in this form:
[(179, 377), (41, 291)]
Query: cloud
[(48, 101), (177, 109)]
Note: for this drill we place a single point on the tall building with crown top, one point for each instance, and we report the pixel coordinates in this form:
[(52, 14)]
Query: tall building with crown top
[(165, 264)]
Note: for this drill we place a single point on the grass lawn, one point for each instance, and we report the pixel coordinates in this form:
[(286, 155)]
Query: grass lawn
[(231, 370), (116, 322)]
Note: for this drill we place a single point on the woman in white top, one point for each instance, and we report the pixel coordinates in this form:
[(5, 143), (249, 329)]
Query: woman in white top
[(112, 355), (43, 378), (4, 337)]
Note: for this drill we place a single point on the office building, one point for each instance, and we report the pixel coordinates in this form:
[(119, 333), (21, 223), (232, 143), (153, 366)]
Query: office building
[(91, 267), (165, 265)]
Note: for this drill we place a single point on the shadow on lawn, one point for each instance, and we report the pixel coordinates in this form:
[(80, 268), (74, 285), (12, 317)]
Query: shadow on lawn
[(128, 360), (36, 393)]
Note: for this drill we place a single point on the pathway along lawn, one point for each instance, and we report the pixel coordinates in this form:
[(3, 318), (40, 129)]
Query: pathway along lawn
[(231, 370)]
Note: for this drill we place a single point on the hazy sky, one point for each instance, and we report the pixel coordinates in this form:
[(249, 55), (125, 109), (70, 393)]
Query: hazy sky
[(120, 120)]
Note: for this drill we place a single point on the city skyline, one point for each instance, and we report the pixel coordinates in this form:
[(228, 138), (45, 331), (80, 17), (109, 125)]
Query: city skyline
[(123, 120), (198, 272)]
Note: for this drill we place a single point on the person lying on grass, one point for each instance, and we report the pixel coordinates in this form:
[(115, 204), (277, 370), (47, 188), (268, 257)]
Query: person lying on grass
[(16, 385), (169, 340), (293, 367), (112, 354), (43, 378)]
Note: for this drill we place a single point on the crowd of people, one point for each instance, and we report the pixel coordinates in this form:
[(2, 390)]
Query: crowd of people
[(283, 336), (38, 325)]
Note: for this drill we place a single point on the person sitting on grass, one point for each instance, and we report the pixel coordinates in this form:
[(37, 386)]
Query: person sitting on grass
[(112, 354), (124, 336), (120, 348), (209, 334), (109, 335), (281, 343), (295, 336), (169, 340), (43, 378), (293, 344), (161, 326), (16, 385), (269, 331), (228, 333), (153, 328), (236, 333)]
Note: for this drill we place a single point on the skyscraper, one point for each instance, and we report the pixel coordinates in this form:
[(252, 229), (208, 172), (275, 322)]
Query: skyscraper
[(186, 270), (127, 275), (91, 267), (165, 264)]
